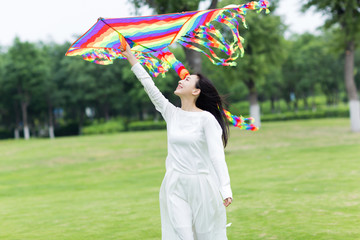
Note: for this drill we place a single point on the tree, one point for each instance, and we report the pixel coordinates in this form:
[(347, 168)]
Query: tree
[(9, 107), (264, 50), (330, 69), (24, 76), (271, 89), (77, 84), (344, 15), (311, 65), (357, 70), (51, 94)]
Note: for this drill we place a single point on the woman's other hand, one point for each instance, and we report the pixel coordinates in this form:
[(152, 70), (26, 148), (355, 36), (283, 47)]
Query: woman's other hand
[(227, 201)]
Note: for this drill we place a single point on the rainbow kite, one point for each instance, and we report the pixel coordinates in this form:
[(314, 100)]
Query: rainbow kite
[(150, 36)]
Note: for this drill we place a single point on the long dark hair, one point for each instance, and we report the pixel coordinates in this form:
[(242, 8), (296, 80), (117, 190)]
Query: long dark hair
[(210, 100)]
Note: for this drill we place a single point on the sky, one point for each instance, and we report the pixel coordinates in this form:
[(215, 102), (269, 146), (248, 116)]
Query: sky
[(60, 21), (297, 21)]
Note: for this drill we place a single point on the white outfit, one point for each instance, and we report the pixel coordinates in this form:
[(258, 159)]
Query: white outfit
[(196, 172)]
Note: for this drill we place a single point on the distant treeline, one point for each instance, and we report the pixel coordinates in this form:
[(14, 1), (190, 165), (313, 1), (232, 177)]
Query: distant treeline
[(44, 93)]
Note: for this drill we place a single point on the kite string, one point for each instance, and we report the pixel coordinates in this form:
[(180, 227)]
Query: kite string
[(133, 43), (162, 55)]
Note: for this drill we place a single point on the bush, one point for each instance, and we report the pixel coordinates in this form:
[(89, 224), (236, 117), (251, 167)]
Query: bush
[(5, 133), (339, 112), (67, 129), (240, 108), (101, 127), (146, 125)]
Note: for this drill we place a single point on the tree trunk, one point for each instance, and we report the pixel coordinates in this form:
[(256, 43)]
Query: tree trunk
[(17, 121), (255, 108), (213, 4), (306, 104), (272, 100), (81, 119), (288, 104), (328, 100), (351, 87), (337, 97), (296, 105), (51, 122), (106, 112), (254, 104), (24, 105), (313, 104), (141, 112), (16, 133), (156, 116), (193, 58), (278, 105)]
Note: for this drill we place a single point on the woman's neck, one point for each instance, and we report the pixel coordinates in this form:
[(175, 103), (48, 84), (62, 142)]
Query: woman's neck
[(189, 105)]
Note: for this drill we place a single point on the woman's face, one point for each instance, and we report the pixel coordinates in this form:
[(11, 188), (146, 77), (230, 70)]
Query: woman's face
[(186, 86)]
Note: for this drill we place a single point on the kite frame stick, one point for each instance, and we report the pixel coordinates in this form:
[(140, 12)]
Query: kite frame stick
[(103, 20)]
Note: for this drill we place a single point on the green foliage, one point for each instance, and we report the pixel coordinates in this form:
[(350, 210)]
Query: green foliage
[(102, 127), (310, 66), (357, 70), (68, 128), (5, 133), (240, 108), (23, 79), (328, 113), (146, 125), (284, 113), (3, 108), (344, 18), (340, 13)]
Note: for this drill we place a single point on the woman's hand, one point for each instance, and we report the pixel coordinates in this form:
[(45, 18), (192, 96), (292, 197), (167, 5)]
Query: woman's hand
[(227, 201), (128, 54)]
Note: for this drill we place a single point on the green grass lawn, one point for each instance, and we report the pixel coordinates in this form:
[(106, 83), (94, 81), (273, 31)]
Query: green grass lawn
[(294, 180)]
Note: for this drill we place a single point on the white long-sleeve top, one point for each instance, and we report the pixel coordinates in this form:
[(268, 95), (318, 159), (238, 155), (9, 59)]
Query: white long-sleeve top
[(194, 138)]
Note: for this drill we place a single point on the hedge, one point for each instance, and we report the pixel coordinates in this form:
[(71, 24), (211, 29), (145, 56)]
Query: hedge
[(6, 133), (305, 115), (146, 125), (120, 125), (100, 127)]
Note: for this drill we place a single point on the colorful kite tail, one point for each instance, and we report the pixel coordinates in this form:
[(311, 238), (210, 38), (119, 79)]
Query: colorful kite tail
[(168, 58), (241, 122)]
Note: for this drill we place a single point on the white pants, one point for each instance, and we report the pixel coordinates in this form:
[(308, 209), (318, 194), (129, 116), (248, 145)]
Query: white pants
[(191, 208)]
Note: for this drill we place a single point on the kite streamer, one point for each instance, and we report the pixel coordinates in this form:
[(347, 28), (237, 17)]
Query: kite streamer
[(150, 36), (241, 122)]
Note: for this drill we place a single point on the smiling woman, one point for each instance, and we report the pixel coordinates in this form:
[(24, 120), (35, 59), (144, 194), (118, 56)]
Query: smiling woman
[(187, 86), (196, 186)]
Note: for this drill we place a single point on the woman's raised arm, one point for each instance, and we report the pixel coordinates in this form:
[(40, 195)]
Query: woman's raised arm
[(157, 98)]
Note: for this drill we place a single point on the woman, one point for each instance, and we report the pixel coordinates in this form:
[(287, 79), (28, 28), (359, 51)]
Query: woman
[(190, 203)]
